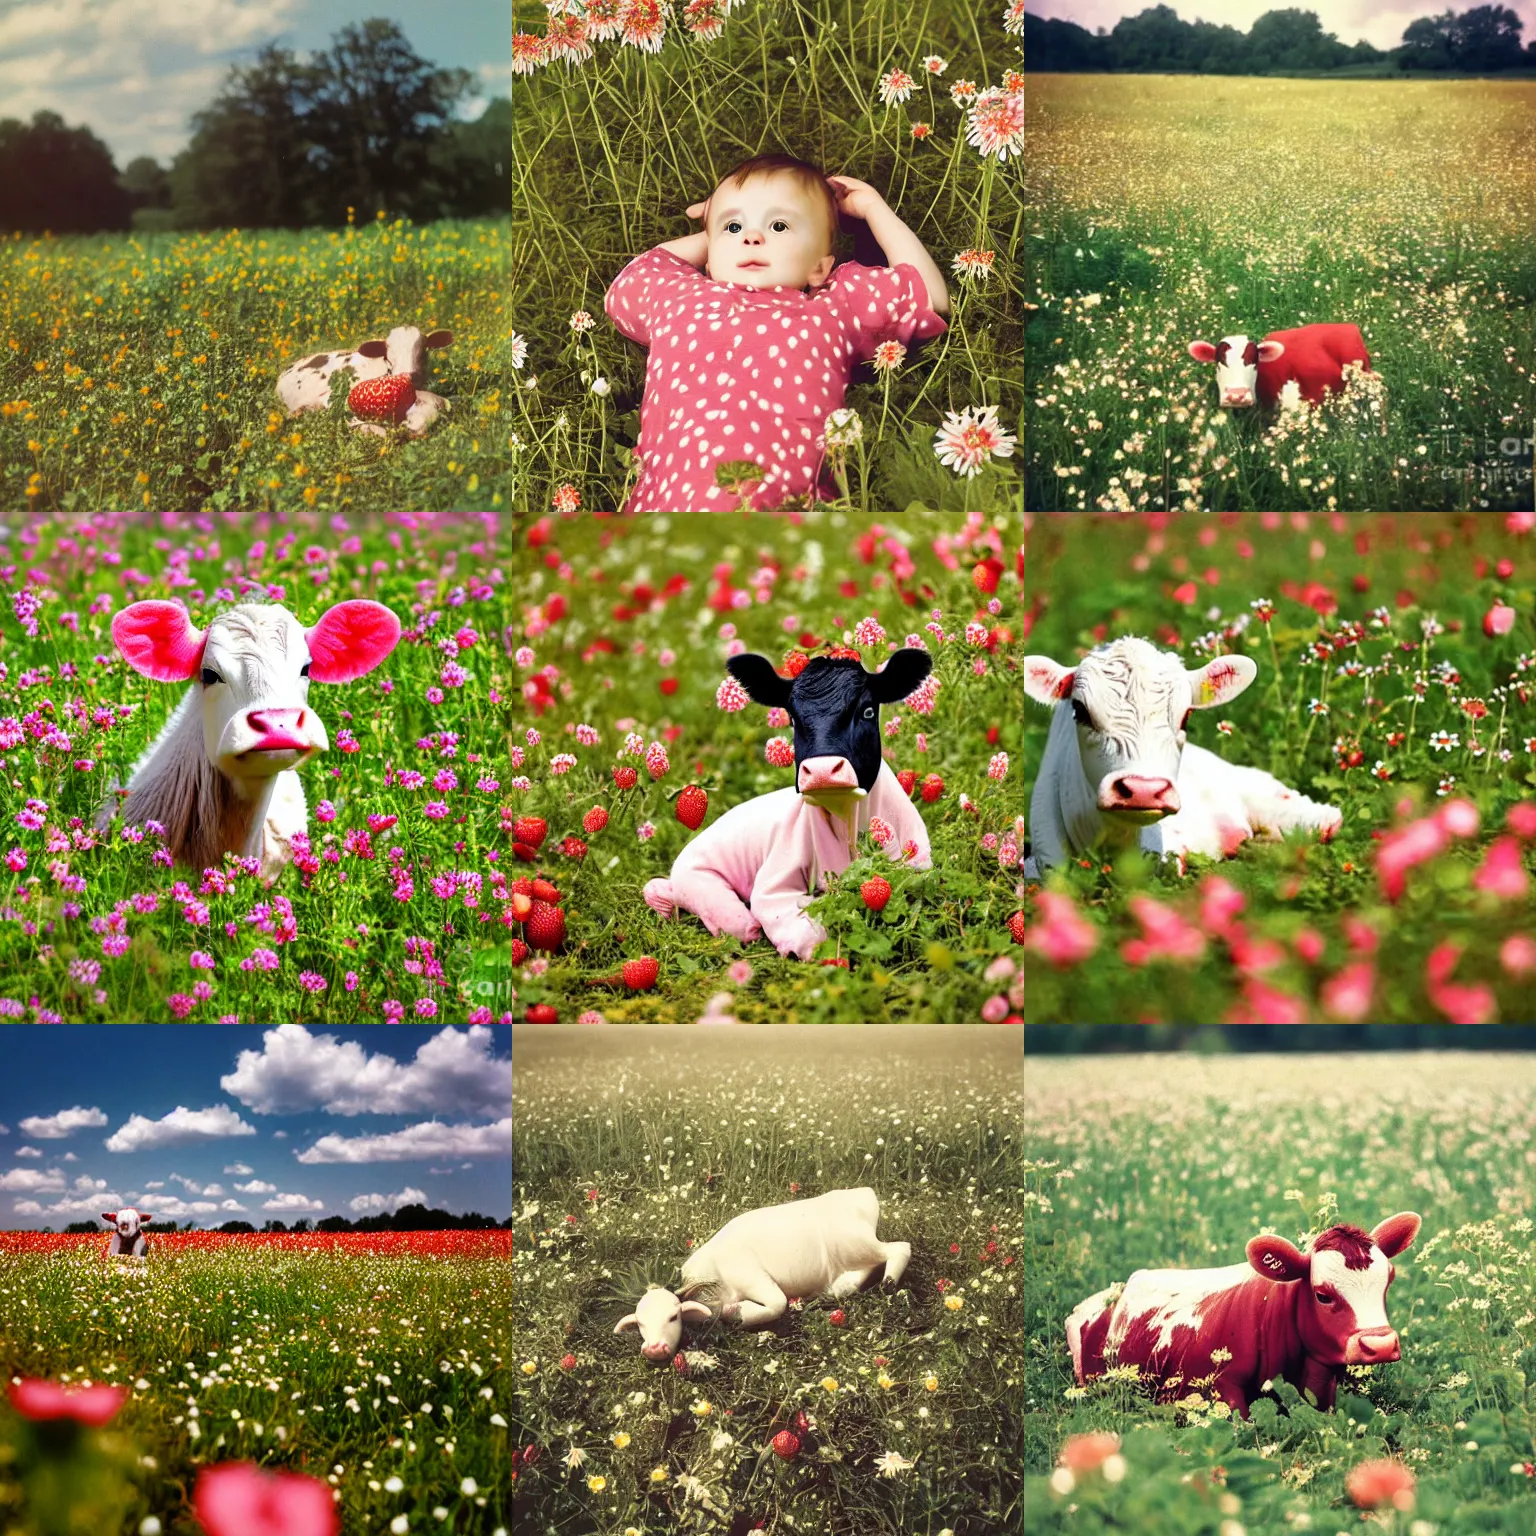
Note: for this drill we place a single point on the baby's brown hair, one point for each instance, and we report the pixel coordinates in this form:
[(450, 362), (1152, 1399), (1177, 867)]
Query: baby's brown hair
[(810, 178)]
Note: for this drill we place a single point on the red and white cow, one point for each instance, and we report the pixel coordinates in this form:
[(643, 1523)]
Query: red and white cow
[(1284, 1314), (1312, 355), (306, 385), (1117, 767)]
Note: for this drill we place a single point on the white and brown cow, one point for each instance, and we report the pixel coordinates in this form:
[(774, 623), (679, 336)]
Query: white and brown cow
[(128, 1241), (1224, 1333), (1117, 766), (306, 385)]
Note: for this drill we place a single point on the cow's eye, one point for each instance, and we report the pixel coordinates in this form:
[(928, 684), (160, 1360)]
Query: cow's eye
[(869, 711), (210, 677), (1080, 711), (304, 670), (1323, 1298)]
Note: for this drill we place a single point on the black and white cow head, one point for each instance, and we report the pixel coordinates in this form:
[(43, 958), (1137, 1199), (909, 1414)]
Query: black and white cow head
[(127, 1221), (1237, 362), (834, 705)]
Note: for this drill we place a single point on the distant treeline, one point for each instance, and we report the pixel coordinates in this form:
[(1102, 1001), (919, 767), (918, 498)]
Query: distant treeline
[(289, 142), (1063, 1039), (1480, 41), (409, 1218)]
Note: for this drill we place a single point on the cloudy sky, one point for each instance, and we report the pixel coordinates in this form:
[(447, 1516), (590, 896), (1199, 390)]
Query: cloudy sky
[(135, 70), (195, 1123), (1375, 21)]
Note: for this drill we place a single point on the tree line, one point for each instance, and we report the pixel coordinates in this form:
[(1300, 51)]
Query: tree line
[(409, 1218), (1484, 40), (288, 142)]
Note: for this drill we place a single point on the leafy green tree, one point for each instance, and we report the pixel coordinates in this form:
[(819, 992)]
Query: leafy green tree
[(53, 177)]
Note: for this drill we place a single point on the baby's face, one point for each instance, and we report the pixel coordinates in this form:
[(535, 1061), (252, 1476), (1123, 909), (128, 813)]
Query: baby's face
[(767, 232)]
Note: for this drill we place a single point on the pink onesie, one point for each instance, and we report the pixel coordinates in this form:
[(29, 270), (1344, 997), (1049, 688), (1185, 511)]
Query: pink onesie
[(738, 372)]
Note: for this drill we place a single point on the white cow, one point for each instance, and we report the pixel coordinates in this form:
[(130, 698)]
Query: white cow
[(1116, 765), (220, 777), (758, 1260), (306, 386), (128, 1241)]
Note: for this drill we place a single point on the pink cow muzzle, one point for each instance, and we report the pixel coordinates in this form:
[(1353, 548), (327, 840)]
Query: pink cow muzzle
[(1143, 795), (281, 730), (1372, 1348), (827, 773)]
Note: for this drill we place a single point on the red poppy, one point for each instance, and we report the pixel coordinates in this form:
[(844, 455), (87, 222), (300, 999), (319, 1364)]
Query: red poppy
[(38, 1399), (237, 1498)]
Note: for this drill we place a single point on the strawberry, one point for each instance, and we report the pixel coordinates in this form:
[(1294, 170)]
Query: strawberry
[(786, 1444), (802, 1423), (876, 893), (574, 848), (1016, 927), (837, 1318), (386, 399), (525, 853), (625, 777), (842, 653), (594, 821), (522, 886), (985, 575), (640, 975), (908, 781), (795, 662), (541, 1013), (530, 830), (840, 960), (521, 906), (544, 927), (544, 891), (692, 805), (680, 1363), (519, 951), (933, 787)]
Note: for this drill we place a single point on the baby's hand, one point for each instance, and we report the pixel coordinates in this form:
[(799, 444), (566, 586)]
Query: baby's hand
[(855, 198)]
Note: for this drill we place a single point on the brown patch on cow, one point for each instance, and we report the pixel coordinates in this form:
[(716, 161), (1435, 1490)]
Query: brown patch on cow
[(1354, 1244), (319, 360)]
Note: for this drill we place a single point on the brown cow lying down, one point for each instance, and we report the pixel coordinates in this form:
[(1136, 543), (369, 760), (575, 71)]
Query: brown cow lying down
[(306, 385)]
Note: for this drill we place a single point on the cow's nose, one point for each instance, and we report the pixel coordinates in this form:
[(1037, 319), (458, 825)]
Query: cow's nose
[(1381, 1344), (1237, 397), (279, 721), (655, 1351), (827, 773), (1141, 792)]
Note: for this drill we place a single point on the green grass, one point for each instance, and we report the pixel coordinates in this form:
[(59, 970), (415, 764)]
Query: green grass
[(1157, 1161), (140, 370), (1093, 579), (926, 957), (609, 153), (613, 1188), (355, 931)]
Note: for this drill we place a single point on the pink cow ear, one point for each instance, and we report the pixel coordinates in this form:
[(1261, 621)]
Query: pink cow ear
[(109, 1215), (1202, 351), (1270, 350), (158, 639), (1276, 1259), (350, 639), (1045, 681), (1397, 1232)]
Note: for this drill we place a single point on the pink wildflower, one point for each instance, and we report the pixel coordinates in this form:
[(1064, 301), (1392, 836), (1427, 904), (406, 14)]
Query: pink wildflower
[(1503, 871), (1347, 996), (1059, 932), (1165, 935)]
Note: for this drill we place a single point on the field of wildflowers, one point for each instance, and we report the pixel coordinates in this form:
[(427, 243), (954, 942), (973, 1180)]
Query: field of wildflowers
[(1395, 658), (625, 631), (1149, 1161), (139, 370), (368, 1372), (630, 1146), (628, 113), (1165, 210), (393, 911)]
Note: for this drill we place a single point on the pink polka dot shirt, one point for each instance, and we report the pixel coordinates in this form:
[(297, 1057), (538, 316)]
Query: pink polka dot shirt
[(750, 373)]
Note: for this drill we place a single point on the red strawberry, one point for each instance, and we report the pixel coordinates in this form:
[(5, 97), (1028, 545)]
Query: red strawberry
[(908, 781), (386, 399), (691, 807), (640, 975), (595, 820), (795, 662), (541, 1013), (985, 575), (840, 960), (625, 777), (519, 951), (574, 848), (530, 830), (876, 893), (544, 891), (837, 1318), (786, 1444), (530, 1455), (842, 653), (544, 927), (522, 886), (522, 905), (933, 787), (1016, 927), (680, 1363), (525, 853)]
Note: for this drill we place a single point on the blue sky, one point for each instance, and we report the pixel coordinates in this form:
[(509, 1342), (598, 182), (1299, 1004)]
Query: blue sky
[(204, 1123), (135, 70)]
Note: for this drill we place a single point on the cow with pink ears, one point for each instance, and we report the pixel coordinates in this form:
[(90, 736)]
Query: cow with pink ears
[(220, 777), (128, 1240), (1310, 357)]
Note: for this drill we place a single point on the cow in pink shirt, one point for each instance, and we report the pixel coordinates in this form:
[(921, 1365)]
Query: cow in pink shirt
[(753, 872)]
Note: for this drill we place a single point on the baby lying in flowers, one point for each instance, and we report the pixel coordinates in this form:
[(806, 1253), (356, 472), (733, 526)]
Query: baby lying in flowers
[(751, 354)]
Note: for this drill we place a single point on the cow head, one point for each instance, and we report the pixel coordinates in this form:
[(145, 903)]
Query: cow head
[(1237, 365), (405, 350), (834, 705), (1341, 1307), (660, 1315), (128, 1221), (1131, 702), (255, 663)]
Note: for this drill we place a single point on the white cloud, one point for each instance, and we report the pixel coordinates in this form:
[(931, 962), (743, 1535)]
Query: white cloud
[(87, 1183), (5, 1130), (256, 1187), (232, 1205), (27, 1208), (181, 1125), (28, 1152), (56, 1127), (279, 1135), (455, 1072), (239, 1169), (213, 1189), (406, 1196), (427, 1140), (69, 1157), (33, 1179), (292, 1203), (155, 1184), (187, 1184)]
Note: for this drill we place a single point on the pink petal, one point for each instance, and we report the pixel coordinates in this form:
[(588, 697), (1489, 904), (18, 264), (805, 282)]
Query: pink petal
[(38, 1399), (237, 1498)]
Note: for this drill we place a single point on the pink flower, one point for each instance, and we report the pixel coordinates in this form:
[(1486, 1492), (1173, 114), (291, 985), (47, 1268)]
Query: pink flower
[(1309, 945), (1518, 954), (995, 1009), (1347, 996), (731, 696), (740, 972), (1165, 935), (1220, 902), (37, 1399), (1267, 1005), (779, 753), (880, 830), (1503, 871), (1402, 849), (1522, 819), (1460, 1005), (1381, 1482), (656, 762), (645, 831), (1520, 522), (1499, 620), (1459, 818), (997, 768), (1083, 1453), (868, 632), (1060, 933), (237, 1498), (1186, 593)]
